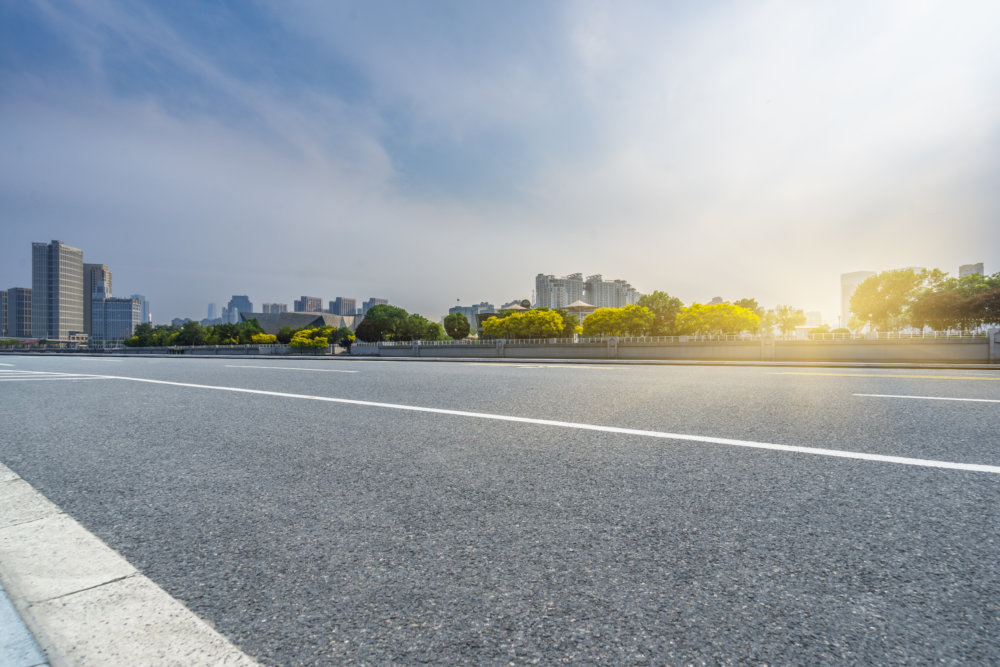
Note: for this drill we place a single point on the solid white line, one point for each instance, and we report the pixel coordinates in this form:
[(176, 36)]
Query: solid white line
[(289, 368), (836, 453), (6, 364), (934, 398), (53, 379)]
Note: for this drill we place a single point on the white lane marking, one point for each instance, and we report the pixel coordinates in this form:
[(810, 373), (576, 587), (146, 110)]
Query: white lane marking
[(836, 453), (892, 375), (289, 368), (54, 379), (934, 398), (114, 361), (6, 364)]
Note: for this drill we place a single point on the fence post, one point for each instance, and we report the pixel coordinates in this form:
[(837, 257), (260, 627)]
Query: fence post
[(993, 335), (613, 347), (500, 351)]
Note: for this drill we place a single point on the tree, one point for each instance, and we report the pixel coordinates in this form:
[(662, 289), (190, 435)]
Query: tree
[(787, 318), (191, 333), (882, 300), (457, 326), (386, 323), (716, 318), (665, 309), (633, 320), (285, 334), (526, 324), (264, 339), (750, 304), (345, 338)]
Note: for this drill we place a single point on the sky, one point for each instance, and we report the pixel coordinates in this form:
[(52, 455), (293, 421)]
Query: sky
[(430, 152)]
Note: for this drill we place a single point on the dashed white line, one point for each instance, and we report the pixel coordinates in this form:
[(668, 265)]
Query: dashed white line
[(816, 451), (290, 368), (933, 398)]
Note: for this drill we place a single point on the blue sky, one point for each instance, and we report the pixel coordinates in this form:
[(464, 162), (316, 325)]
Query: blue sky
[(434, 151)]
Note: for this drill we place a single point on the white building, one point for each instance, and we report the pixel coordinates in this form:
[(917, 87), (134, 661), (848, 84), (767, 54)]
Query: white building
[(609, 293), (552, 292), (848, 284)]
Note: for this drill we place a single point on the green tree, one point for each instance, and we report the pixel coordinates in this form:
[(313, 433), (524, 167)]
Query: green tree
[(665, 309), (787, 318), (345, 338), (883, 300), (191, 333), (285, 334), (387, 322), (457, 326), (750, 304)]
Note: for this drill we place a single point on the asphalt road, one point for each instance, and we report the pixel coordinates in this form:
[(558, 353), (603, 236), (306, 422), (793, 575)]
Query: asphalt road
[(312, 532)]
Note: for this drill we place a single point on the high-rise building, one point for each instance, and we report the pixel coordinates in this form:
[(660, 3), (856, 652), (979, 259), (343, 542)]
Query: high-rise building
[(3, 313), (308, 304), (275, 308), (238, 304), (115, 319), (374, 301), (970, 269), (552, 292), (19, 312), (848, 283), (96, 285), (608, 293), (213, 311), (56, 290), (147, 316), (343, 305)]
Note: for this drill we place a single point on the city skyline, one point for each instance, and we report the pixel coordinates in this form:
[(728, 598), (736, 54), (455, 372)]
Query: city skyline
[(748, 150)]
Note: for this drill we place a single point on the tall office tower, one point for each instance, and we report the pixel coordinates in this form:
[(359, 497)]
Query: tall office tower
[(213, 311), (609, 293), (19, 312), (147, 316), (308, 304), (848, 283), (239, 304), (3, 312), (343, 305), (115, 319), (374, 301), (56, 290), (552, 292), (970, 269), (96, 285), (275, 308)]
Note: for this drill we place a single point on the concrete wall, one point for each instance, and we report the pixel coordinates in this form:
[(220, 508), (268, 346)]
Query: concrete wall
[(969, 350)]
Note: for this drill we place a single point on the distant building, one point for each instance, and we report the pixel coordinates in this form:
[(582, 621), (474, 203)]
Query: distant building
[(552, 292), (272, 323), (3, 313), (515, 304), (471, 312), (275, 307), (19, 312), (147, 316), (96, 284), (56, 290), (213, 311), (114, 319), (970, 270), (814, 318), (343, 305), (308, 304), (609, 293), (374, 301), (180, 321), (848, 284), (240, 303)]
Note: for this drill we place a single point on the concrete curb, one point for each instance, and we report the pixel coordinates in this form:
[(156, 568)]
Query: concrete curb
[(83, 602)]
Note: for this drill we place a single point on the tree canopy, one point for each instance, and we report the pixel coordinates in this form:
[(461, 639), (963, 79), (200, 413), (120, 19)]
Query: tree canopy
[(632, 320), (665, 309), (716, 318), (457, 326), (525, 324)]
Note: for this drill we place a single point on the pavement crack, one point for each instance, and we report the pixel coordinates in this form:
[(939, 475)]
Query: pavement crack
[(90, 588)]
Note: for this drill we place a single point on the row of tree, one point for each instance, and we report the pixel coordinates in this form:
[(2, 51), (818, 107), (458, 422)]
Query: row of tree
[(242, 333), (892, 300), (384, 322)]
